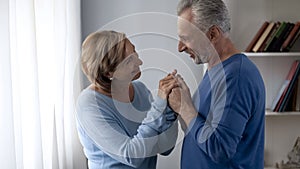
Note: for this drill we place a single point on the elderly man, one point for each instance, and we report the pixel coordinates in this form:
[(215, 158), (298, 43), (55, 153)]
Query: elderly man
[(225, 118)]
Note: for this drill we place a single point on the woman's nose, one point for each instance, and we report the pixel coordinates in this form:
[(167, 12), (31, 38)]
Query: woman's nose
[(138, 60)]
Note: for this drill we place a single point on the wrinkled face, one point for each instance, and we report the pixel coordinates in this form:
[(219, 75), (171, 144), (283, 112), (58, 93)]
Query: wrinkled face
[(191, 39), (129, 68)]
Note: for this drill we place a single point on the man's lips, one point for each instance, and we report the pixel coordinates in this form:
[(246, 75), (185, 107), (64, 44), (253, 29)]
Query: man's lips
[(192, 56)]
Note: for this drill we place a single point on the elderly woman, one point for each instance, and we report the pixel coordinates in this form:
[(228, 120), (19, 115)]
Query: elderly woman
[(120, 124)]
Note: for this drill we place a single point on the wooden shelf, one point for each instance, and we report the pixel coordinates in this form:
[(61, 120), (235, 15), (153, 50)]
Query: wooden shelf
[(271, 113), (272, 54), (269, 168)]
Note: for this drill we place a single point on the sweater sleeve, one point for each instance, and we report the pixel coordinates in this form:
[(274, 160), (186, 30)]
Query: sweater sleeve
[(110, 136), (219, 134), (167, 139)]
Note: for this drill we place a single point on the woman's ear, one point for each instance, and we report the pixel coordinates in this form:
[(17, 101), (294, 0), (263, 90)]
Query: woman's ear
[(110, 75)]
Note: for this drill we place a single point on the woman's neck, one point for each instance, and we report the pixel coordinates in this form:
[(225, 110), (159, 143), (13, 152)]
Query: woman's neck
[(123, 92)]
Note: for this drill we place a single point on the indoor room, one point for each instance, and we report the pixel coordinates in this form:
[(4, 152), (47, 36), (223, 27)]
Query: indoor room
[(172, 84)]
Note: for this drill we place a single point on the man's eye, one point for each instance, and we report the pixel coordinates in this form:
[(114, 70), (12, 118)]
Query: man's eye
[(184, 39)]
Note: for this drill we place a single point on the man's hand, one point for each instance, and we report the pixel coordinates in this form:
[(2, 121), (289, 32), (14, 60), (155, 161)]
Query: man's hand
[(180, 101), (174, 99)]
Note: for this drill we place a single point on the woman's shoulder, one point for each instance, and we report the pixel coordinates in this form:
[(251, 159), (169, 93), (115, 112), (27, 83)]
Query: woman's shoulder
[(90, 102), (89, 96)]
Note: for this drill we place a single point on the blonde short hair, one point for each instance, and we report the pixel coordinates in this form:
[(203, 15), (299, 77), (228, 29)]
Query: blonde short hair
[(101, 52)]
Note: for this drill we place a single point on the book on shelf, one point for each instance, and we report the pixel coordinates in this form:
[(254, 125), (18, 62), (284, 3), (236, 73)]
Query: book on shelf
[(290, 37), (282, 36), (289, 93), (269, 37), (256, 37), (271, 46), (263, 37), (276, 37), (295, 43), (281, 100), (291, 104), (297, 104)]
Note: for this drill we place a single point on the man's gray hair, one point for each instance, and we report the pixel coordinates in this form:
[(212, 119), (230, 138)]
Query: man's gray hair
[(207, 13)]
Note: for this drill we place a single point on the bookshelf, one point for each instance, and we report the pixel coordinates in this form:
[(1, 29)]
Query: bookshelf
[(282, 129)]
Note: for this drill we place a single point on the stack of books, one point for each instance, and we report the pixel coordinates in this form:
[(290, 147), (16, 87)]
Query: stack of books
[(288, 97), (276, 37)]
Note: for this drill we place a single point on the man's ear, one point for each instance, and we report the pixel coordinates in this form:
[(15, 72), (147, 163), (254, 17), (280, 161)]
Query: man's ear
[(214, 33)]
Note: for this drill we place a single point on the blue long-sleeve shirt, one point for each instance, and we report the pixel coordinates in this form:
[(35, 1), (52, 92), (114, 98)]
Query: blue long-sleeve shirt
[(228, 132), (117, 135)]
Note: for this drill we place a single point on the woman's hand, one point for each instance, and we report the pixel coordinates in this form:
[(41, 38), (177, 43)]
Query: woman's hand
[(167, 84)]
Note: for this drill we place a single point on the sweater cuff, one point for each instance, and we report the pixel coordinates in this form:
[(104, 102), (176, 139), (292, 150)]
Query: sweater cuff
[(195, 126), (159, 104), (158, 107)]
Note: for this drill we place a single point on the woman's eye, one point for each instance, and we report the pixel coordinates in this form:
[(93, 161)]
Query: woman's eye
[(129, 59)]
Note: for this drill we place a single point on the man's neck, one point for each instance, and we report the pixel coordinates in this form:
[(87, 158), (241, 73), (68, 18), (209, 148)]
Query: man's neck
[(225, 49)]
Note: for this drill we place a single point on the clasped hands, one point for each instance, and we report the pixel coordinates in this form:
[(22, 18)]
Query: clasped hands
[(174, 89)]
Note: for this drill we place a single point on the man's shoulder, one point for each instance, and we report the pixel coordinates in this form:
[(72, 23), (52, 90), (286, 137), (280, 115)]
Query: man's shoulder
[(240, 63)]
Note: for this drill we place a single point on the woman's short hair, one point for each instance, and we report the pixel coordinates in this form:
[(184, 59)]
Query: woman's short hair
[(101, 52)]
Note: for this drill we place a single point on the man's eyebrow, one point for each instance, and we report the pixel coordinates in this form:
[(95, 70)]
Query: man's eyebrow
[(182, 37)]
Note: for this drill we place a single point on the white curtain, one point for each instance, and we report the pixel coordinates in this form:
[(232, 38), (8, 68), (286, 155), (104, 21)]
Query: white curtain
[(40, 48)]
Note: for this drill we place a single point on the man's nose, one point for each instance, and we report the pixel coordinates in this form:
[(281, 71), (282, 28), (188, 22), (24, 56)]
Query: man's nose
[(181, 46), (140, 62)]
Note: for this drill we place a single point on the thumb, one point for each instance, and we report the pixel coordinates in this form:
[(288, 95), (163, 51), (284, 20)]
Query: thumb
[(182, 83)]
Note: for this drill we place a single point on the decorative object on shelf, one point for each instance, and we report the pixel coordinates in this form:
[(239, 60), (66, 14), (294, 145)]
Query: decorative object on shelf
[(293, 158)]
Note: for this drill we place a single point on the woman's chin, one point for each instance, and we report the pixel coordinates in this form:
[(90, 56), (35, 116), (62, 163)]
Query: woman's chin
[(137, 76)]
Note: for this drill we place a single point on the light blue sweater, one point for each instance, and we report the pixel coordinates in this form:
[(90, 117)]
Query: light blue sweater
[(117, 135)]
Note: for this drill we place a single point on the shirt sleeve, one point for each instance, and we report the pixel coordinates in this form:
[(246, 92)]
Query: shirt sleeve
[(110, 136)]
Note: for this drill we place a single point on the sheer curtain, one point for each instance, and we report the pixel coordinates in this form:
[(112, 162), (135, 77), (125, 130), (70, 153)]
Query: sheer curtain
[(40, 41)]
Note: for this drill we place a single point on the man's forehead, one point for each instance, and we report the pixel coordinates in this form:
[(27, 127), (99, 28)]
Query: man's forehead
[(185, 26), (185, 19), (186, 14)]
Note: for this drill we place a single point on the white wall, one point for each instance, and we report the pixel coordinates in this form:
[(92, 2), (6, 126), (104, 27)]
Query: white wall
[(151, 26)]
